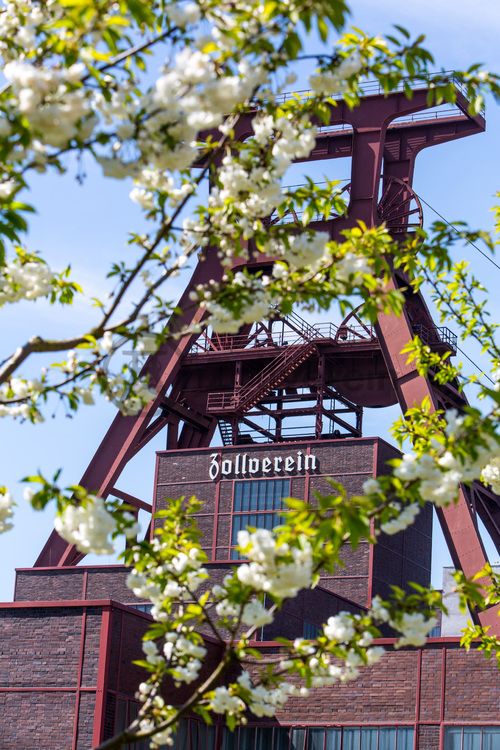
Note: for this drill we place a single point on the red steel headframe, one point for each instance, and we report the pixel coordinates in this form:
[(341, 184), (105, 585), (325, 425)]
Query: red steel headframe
[(383, 137)]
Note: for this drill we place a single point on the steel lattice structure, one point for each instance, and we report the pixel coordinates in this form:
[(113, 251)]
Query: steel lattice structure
[(288, 368)]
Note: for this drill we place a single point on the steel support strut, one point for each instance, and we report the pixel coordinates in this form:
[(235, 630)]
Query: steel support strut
[(126, 433)]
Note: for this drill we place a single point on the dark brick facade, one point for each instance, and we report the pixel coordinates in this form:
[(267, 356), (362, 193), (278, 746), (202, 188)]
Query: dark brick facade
[(76, 583), (67, 679), (58, 664), (69, 640), (368, 570)]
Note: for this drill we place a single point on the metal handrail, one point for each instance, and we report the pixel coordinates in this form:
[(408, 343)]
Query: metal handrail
[(240, 343), (436, 335), (427, 114), (314, 331), (375, 88)]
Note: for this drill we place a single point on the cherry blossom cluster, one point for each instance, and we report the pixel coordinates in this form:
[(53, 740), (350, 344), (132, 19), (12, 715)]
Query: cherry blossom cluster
[(158, 133), (18, 399), (259, 699), (304, 250), (176, 579), (154, 131), (436, 475), (254, 302), (344, 647), (20, 21), (130, 401), (333, 82), (6, 510), (84, 519), (25, 280), (181, 655), (249, 182), (413, 626), (491, 474), (278, 569), (88, 526), (56, 108), (406, 516)]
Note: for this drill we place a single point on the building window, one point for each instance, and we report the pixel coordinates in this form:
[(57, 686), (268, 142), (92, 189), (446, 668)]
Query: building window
[(126, 711), (319, 738), (257, 503), (472, 738), (377, 738), (311, 631), (257, 738)]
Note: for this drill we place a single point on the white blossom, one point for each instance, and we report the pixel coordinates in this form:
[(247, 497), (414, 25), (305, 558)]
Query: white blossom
[(374, 654), (454, 422), (7, 188), (106, 342), (87, 526), (350, 266), (151, 651), (53, 110), (145, 198), (264, 701), (280, 570), (340, 628), (380, 612), (255, 614), (182, 15), (226, 608), (224, 702), (414, 628), (491, 474), (371, 487), (6, 510), (307, 249), (329, 83), (350, 65), (402, 521), (27, 281)]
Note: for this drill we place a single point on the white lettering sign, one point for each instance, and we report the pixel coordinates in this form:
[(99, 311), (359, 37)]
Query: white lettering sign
[(243, 465)]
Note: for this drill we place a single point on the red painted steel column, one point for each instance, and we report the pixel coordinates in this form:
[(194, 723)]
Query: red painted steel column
[(102, 677), (371, 551), (79, 674), (418, 689), (457, 520)]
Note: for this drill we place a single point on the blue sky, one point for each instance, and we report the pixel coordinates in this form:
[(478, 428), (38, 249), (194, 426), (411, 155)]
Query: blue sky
[(88, 227)]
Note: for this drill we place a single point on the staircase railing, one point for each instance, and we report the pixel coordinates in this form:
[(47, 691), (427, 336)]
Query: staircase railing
[(307, 331), (273, 374)]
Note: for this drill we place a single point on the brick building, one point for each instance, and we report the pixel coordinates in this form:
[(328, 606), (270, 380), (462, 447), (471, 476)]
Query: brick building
[(70, 636)]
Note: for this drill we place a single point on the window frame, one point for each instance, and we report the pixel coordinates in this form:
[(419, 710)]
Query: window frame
[(253, 514), (469, 728)]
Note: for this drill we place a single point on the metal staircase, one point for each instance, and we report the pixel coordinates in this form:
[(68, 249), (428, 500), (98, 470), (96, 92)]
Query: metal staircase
[(270, 377), (226, 432)]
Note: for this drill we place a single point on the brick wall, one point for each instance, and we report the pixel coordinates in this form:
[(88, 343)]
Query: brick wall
[(48, 685), (407, 686), (75, 583), (52, 662), (36, 720), (395, 560)]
